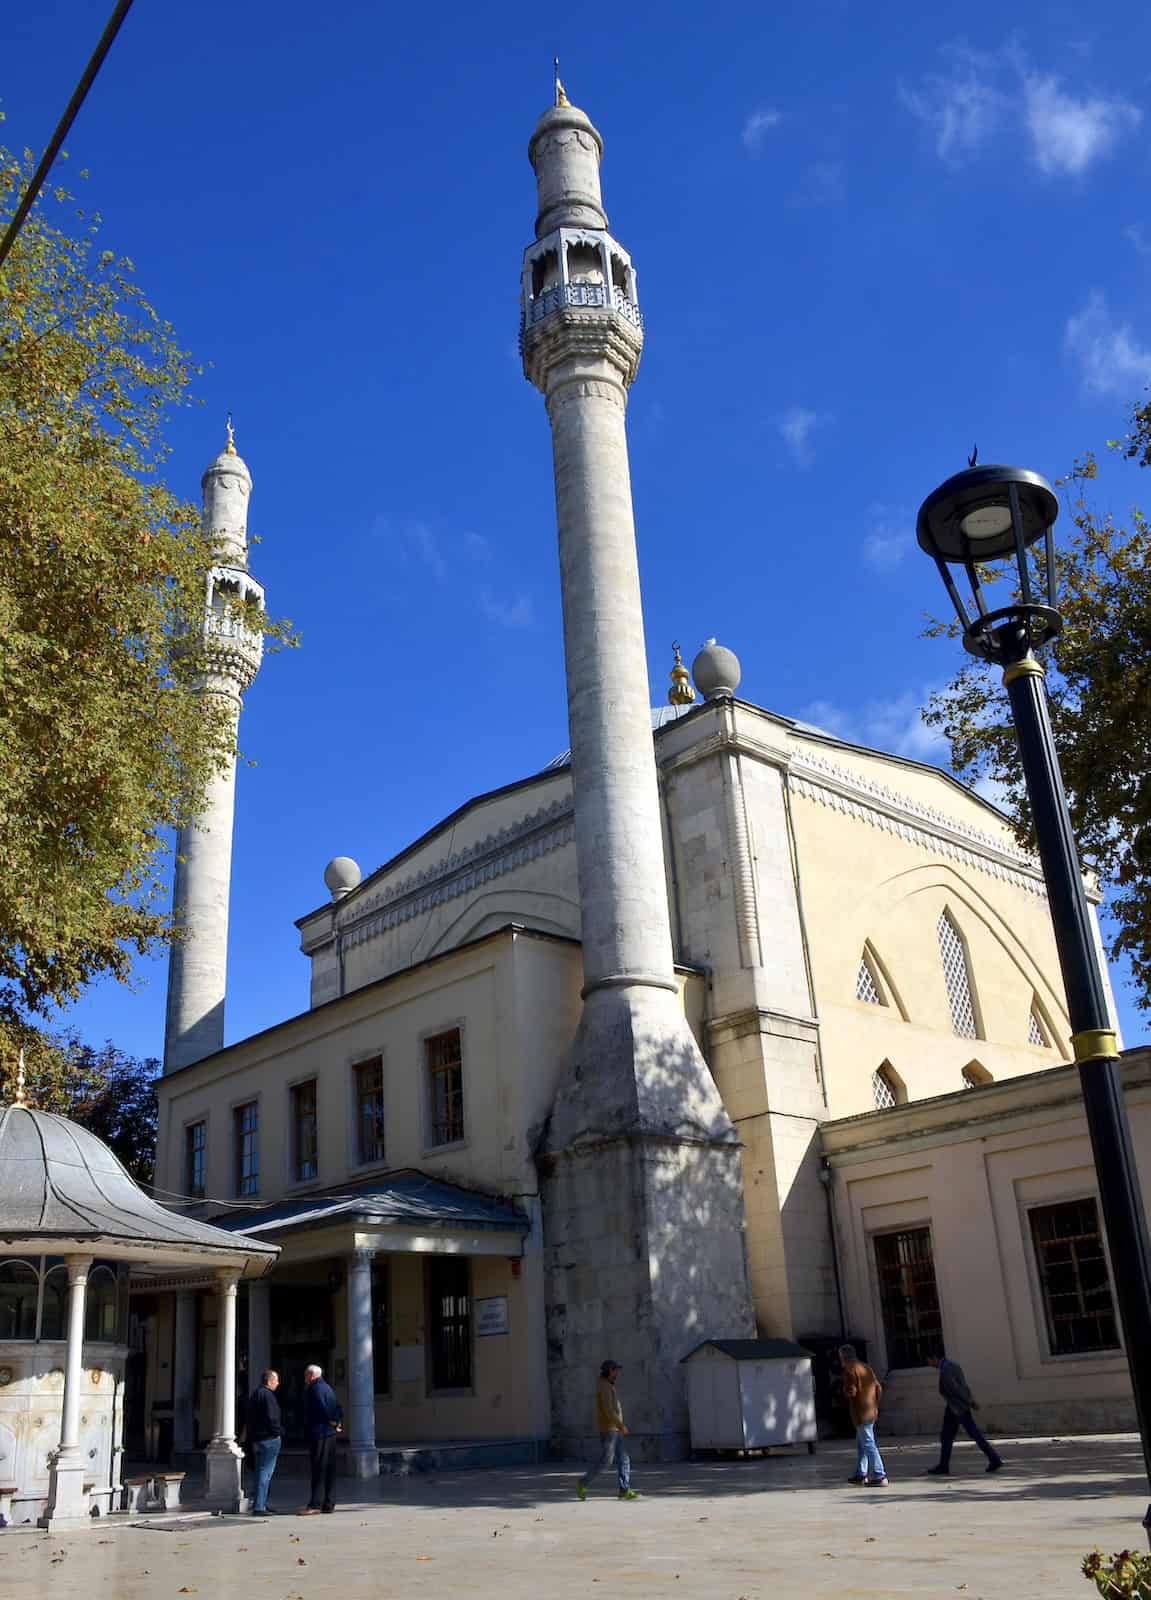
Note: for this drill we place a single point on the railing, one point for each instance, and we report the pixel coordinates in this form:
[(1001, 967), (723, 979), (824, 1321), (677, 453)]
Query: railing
[(581, 294)]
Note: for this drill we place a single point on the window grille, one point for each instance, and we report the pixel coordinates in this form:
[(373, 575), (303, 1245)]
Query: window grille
[(246, 1126), (1073, 1278), (449, 1296), (957, 978), (866, 987), (195, 1158), (445, 1087), (305, 1133), (908, 1296), (1035, 1033), (883, 1090), (370, 1113)]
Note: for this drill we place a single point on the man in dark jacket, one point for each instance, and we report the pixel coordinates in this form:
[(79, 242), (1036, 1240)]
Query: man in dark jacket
[(264, 1431), (323, 1420), (959, 1404)]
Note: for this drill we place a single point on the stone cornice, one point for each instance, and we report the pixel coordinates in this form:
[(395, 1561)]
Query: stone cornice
[(535, 835), (578, 334)]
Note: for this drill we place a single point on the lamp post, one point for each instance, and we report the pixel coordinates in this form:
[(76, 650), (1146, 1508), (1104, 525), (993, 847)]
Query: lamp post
[(995, 514)]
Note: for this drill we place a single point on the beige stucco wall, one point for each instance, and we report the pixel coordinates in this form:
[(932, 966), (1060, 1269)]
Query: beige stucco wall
[(968, 1167)]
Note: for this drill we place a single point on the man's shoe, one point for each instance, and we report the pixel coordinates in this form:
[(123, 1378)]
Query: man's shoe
[(994, 1466), (308, 1511), (581, 1489), (327, 1508), (857, 1479), (260, 1513), (628, 1494), (939, 1472), (877, 1483)]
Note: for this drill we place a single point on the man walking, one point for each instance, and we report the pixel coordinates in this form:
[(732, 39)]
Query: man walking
[(610, 1427), (323, 1420), (959, 1404), (264, 1431), (861, 1390)]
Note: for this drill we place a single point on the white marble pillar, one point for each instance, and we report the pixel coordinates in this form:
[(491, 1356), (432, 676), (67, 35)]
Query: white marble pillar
[(224, 1460), (363, 1454), (259, 1331), (184, 1372), (67, 1502)]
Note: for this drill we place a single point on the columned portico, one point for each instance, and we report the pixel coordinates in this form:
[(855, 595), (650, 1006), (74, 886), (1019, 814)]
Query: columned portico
[(67, 1500), (224, 1459), (363, 1453)]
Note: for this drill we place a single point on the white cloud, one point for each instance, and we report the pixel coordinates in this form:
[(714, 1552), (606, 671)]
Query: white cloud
[(1111, 359), (507, 612), (888, 539), (1067, 133), (894, 725), (960, 109), (757, 125), (796, 427), (1136, 236)]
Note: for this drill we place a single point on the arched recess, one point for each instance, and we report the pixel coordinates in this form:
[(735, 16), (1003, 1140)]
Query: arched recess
[(975, 1075), (19, 1297), (873, 981), (535, 908), (54, 1309), (887, 1087), (101, 1309)]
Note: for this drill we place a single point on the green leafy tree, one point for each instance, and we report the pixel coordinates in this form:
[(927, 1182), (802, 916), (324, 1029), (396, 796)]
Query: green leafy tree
[(1099, 685), (106, 746)]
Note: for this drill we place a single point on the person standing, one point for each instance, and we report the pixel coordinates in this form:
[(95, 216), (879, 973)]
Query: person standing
[(861, 1390), (264, 1432), (610, 1427), (323, 1420), (959, 1404)]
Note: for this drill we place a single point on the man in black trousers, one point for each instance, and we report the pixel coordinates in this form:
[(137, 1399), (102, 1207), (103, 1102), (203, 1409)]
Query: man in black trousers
[(323, 1420)]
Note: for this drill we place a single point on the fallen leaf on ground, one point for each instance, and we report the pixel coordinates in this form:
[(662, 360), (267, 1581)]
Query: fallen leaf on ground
[(186, 1590), (425, 1558), (870, 1539), (300, 1562)]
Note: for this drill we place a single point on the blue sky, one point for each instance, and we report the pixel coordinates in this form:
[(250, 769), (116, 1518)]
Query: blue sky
[(866, 237)]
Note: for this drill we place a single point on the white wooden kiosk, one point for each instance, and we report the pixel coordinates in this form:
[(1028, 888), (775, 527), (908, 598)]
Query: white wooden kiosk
[(749, 1394)]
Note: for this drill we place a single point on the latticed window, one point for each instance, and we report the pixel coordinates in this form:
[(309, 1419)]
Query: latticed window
[(1073, 1278), (908, 1296), (445, 1087), (450, 1318), (867, 985), (883, 1089), (1035, 1031), (957, 978)]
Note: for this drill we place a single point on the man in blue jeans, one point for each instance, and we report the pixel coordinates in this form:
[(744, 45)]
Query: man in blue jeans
[(612, 1432), (264, 1431), (959, 1403)]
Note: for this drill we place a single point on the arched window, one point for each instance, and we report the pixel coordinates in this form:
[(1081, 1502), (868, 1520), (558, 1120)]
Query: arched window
[(19, 1292), (1037, 1033), (975, 1074), (101, 1311), (957, 976), (867, 984), (886, 1089), (54, 1312)]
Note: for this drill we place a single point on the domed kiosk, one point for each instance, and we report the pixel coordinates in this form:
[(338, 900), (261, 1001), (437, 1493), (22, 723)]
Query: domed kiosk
[(72, 1224)]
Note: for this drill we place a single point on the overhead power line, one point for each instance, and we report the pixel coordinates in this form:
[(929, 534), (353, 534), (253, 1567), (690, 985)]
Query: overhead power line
[(79, 94)]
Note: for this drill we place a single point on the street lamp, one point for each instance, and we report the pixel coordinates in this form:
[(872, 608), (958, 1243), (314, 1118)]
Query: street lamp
[(995, 514)]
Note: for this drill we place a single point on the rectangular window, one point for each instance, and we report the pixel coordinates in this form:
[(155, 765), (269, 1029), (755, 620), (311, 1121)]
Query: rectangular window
[(381, 1328), (195, 1159), (1073, 1278), (907, 1295), (445, 1088), (369, 1077), (305, 1140), (246, 1126), (450, 1321)]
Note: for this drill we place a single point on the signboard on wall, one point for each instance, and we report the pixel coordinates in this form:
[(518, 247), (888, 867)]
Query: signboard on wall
[(491, 1316)]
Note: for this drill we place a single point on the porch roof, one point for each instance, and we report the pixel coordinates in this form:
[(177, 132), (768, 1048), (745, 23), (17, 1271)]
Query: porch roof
[(399, 1199)]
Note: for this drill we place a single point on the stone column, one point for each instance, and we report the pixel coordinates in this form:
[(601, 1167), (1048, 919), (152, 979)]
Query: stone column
[(363, 1454), (184, 1372), (224, 1460), (67, 1502), (259, 1330)]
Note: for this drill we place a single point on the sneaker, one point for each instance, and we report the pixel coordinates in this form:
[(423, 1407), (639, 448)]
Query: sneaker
[(581, 1489), (994, 1466), (877, 1483), (628, 1494), (857, 1479), (939, 1472), (260, 1513)]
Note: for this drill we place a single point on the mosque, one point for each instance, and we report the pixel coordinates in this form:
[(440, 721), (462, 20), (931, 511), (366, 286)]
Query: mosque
[(717, 1026)]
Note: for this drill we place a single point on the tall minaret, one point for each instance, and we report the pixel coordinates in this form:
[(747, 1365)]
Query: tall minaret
[(640, 1163), (197, 966)]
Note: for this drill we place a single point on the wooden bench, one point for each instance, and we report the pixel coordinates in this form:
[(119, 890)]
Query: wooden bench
[(7, 1492)]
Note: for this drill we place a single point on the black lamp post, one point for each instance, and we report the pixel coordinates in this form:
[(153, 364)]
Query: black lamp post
[(993, 514)]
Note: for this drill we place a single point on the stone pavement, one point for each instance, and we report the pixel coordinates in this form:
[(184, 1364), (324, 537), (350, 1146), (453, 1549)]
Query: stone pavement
[(731, 1530)]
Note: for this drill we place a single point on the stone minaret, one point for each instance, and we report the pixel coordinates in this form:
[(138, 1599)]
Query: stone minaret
[(197, 967), (642, 1196)]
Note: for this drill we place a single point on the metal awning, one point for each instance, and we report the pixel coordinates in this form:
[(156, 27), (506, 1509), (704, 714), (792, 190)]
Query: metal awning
[(403, 1200)]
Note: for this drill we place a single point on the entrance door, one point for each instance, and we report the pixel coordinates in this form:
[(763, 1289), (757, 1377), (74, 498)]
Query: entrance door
[(302, 1336)]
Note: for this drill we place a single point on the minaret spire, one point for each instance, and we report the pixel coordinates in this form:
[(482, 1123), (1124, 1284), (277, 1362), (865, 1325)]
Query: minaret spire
[(230, 659), (561, 97)]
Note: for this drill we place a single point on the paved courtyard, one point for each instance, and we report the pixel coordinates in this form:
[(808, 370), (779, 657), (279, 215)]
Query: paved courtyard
[(731, 1530)]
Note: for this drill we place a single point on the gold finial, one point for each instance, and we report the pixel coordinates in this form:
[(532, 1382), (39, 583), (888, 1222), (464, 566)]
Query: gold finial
[(230, 447), (681, 692), (561, 97), (18, 1099)]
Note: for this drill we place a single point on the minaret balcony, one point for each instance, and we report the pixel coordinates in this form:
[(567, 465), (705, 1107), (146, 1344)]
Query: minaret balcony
[(592, 295)]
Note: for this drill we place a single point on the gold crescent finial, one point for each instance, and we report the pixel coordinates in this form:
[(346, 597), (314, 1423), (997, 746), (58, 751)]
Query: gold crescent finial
[(561, 97), (230, 447), (19, 1099), (681, 692)]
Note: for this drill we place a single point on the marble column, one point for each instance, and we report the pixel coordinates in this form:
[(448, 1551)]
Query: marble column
[(363, 1454), (184, 1373), (67, 1502), (259, 1331), (224, 1460)]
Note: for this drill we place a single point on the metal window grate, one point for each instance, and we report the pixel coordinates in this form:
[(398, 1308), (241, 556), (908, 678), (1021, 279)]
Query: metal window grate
[(1035, 1033), (450, 1308), (883, 1090), (866, 988), (1073, 1277), (957, 978), (908, 1296)]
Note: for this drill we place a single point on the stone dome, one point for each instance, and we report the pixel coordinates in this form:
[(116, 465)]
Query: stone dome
[(716, 670), (341, 876)]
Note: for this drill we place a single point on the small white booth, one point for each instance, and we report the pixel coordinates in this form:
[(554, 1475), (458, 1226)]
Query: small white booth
[(747, 1394)]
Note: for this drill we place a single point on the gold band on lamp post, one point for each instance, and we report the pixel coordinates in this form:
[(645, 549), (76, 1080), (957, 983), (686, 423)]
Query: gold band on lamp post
[(1094, 1044), (1027, 668)]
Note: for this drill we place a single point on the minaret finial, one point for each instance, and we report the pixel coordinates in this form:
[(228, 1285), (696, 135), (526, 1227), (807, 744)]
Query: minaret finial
[(561, 97), (19, 1098), (681, 692), (230, 447)]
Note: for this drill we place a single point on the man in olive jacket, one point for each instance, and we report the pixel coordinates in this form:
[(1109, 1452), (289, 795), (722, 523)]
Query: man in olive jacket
[(861, 1390)]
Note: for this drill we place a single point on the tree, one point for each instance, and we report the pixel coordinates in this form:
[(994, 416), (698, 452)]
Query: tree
[(106, 744), (1099, 683)]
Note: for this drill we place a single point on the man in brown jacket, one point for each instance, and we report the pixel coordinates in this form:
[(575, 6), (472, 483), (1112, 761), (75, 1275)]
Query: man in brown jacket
[(611, 1430), (861, 1390)]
